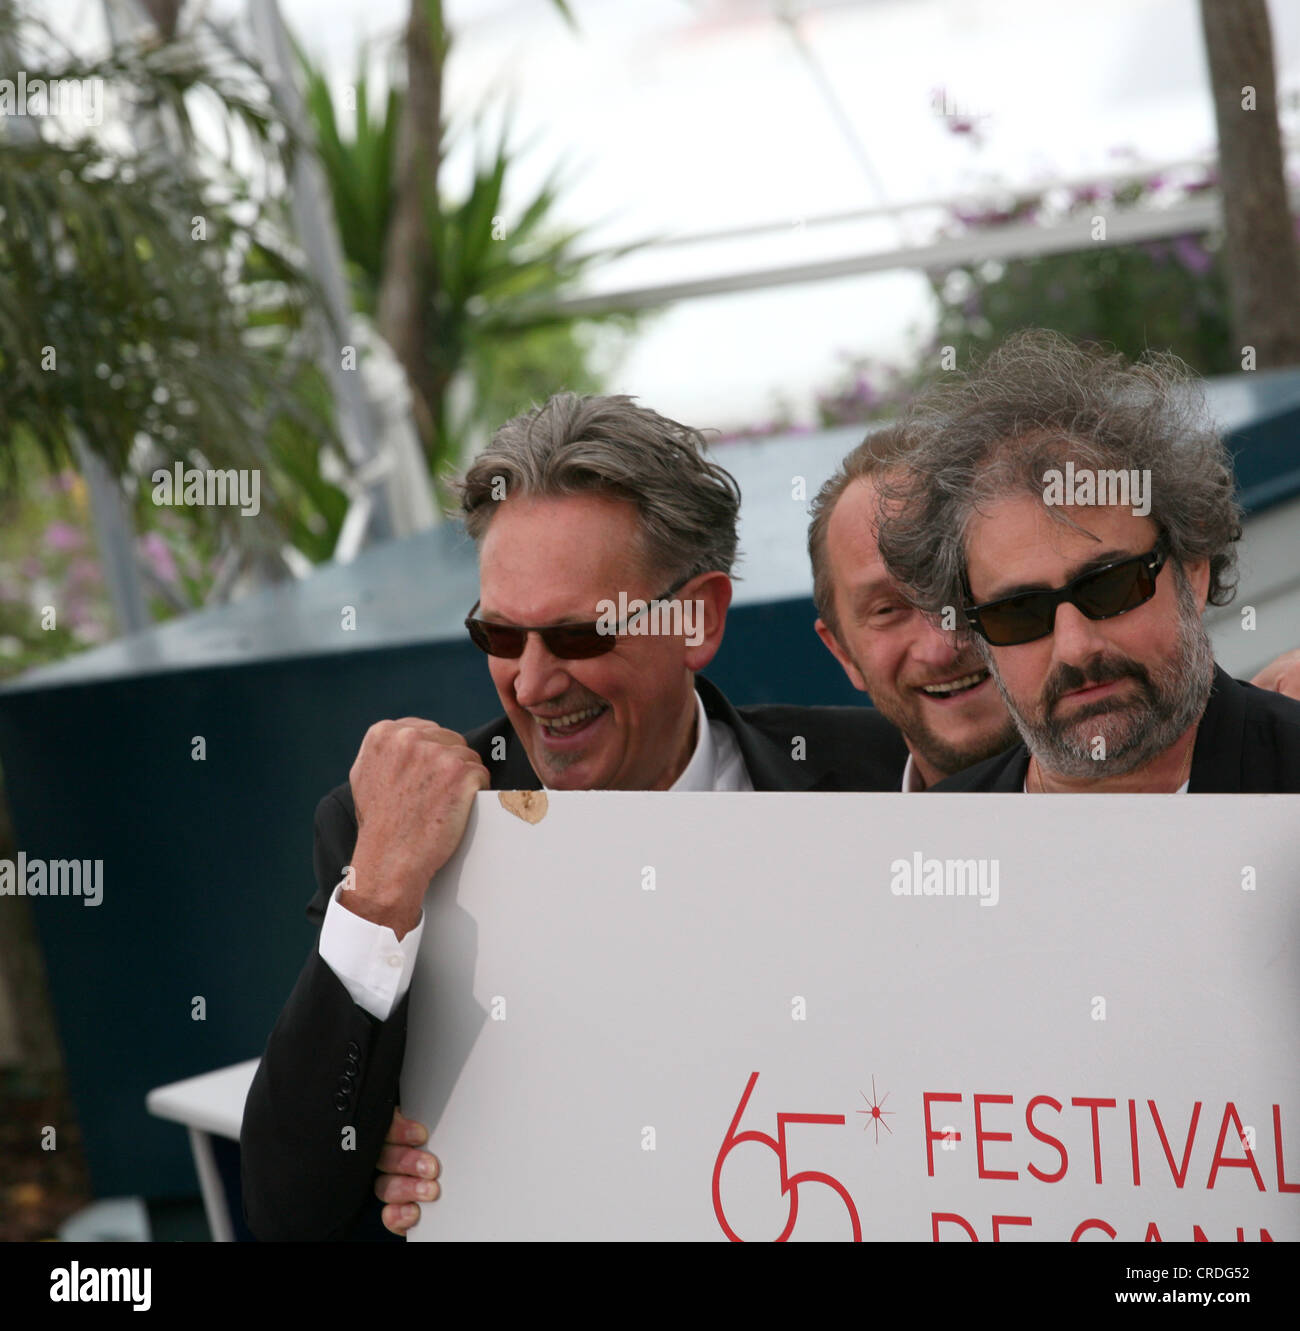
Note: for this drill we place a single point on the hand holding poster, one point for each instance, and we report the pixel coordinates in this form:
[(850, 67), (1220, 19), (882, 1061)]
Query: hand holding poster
[(829, 1016)]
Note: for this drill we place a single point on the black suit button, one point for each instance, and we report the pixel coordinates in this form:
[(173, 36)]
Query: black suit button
[(354, 1049), (352, 1065), (346, 1082), (341, 1101)]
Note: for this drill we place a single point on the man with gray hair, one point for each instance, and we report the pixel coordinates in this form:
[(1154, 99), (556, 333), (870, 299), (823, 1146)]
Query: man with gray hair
[(1071, 514), (606, 541)]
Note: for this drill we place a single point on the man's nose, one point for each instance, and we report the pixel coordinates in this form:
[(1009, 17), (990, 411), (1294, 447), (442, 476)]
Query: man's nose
[(935, 648), (1076, 638), (541, 675)]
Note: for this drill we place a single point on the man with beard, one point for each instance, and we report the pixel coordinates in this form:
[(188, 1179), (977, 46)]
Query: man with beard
[(1087, 614), (936, 690)]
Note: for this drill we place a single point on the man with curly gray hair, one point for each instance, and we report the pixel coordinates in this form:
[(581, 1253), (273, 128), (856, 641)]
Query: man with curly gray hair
[(1071, 514)]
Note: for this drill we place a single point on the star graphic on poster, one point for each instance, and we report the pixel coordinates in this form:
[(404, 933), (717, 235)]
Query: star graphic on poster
[(875, 1112)]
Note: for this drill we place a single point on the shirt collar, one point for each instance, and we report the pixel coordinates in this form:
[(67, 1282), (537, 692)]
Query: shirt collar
[(913, 782), (699, 773)]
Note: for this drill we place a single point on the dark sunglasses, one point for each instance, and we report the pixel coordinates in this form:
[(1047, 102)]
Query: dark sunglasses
[(1102, 593), (568, 642)]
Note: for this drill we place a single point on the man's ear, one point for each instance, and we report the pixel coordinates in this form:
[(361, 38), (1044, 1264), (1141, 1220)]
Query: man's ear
[(710, 595), (1198, 574), (827, 635)]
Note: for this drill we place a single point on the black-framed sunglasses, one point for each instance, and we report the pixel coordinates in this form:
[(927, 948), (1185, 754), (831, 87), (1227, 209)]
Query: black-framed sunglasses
[(569, 642), (1101, 593)]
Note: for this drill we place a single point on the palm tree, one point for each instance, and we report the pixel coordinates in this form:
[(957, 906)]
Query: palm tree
[(130, 291), (452, 288)]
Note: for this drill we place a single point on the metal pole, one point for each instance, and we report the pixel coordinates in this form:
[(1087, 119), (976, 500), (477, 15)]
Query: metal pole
[(364, 435)]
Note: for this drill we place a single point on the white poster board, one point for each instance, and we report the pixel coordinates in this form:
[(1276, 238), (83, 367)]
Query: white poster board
[(1108, 1050)]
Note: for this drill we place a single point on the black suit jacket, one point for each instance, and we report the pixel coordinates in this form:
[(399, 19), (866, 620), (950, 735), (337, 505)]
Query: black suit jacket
[(1247, 743), (330, 1065)]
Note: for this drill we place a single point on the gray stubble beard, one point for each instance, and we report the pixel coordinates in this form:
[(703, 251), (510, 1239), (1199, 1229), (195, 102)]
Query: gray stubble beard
[(1174, 698)]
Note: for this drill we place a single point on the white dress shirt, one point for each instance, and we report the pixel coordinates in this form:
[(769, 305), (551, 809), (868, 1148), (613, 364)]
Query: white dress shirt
[(375, 967)]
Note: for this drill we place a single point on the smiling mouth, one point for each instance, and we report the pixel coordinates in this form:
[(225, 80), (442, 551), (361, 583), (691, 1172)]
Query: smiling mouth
[(951, 688), (569, 723)]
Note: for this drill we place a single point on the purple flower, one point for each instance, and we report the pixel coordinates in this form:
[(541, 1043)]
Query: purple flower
[(159, 555), (92, 631), (83, 572), (62, 536), (1191, 254), (75, 612)]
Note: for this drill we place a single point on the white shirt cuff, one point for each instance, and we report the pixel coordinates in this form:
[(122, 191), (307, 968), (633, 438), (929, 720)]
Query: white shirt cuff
[(372, 965)]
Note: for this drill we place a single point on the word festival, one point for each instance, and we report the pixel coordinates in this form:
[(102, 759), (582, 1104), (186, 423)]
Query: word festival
[(1111, 1126)]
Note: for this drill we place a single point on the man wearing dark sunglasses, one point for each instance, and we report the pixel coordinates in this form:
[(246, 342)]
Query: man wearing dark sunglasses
[(1089, 620), (582, 504), (935, 689)]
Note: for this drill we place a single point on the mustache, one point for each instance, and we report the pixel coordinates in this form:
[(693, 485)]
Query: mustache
[(1101, 670)]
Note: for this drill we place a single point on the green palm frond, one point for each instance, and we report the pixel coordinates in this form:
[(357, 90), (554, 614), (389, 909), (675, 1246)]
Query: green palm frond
[(149, 297), (496, 267), (116, 311)]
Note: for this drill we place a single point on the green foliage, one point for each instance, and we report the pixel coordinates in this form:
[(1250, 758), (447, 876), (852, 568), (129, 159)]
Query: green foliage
[(113, 320), (494, 276), (1170, 294), (143, 302), (359, 168), (1166, 294), (151, 308)]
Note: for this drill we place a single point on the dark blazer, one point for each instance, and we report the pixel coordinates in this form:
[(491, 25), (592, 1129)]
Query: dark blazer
[(1247, 743), (329, 1064)]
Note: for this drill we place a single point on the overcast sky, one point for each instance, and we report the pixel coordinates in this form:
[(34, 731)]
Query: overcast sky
[(680, 117)]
